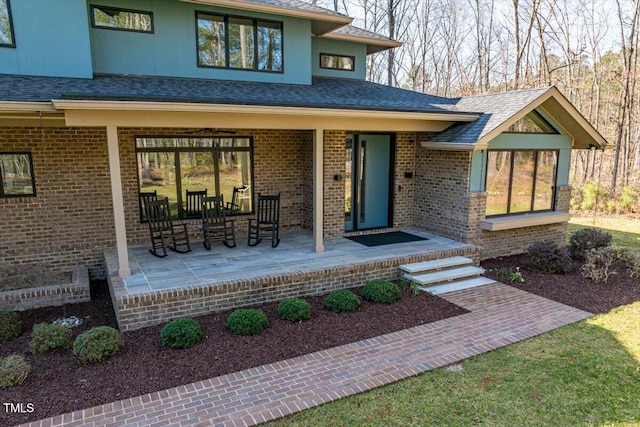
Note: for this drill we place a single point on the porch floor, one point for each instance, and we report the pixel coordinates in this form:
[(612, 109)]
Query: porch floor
[(294, 255)]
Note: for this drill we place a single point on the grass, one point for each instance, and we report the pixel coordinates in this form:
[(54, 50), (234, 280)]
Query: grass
[(585, 374), (625, 231)]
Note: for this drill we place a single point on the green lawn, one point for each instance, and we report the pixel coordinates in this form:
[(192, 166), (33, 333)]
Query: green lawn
[(585, 374), (625, 231)]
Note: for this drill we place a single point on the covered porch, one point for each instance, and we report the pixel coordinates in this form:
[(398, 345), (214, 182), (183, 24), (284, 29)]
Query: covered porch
[(203, 281)]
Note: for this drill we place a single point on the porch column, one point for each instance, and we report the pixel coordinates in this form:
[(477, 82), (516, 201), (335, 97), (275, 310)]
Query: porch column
[(118, 203), (318, 190)]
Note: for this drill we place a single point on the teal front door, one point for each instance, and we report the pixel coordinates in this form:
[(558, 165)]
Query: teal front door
[(368, 181)]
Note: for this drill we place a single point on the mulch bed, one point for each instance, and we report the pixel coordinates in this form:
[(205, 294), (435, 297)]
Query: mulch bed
[(572, 289), (59, 383)]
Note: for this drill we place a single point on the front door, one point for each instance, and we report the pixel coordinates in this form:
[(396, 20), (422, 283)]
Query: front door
[(368, 181)]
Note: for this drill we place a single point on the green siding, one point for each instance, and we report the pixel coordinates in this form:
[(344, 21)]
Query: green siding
[(338, 47), (171, 50)]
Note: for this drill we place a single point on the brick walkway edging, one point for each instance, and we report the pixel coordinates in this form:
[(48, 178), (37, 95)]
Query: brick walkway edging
[(500, 315)]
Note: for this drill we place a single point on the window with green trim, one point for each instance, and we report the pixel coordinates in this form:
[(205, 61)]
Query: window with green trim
[(520, 181), (16, 175), (6, 26), (112, 18), (239, 43), (172, 165)]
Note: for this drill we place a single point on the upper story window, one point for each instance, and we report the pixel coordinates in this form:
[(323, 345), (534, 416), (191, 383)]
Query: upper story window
[(239, 43), (121, 19), (520, 181), (6, 26), (16, 175), (337, 62)]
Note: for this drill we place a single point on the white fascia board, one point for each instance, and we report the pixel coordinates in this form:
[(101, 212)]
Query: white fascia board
[(252, 109), (15, 106), (388, 44), (453, 146)]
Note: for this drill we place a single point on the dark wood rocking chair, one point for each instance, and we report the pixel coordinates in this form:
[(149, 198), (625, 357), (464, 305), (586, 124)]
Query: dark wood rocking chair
[(144, 196), (164, 233), (266, 221), (215, 225), (193, 203)]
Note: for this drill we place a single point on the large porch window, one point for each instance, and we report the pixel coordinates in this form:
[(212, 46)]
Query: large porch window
[(520, 181), (172, 166)]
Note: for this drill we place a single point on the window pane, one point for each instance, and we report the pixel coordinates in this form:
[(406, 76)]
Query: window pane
[(269, 46), (211, 41), (6, 37), (235, 171), (241, 43), (119, 19), (17, 176), (157, 172), (337, 62), (498, 171), (545, 180), (196, 174), (522, 181)]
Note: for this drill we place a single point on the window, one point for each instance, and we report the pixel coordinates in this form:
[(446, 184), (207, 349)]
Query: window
[(337, 62), (6, 26), (170, 166), (239, 43), (121, 19), (520, 181), (16, 175)]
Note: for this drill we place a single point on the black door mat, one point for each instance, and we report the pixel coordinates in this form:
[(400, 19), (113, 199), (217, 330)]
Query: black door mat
[(386, 238)]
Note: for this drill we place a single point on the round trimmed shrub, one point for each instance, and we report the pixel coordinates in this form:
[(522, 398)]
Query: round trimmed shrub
[(181, 333), (341, 301), (586, 239), (247, 321), (381, 291), (14, 370), (10, 326), (294, 309), (48, 336), (98, 344)]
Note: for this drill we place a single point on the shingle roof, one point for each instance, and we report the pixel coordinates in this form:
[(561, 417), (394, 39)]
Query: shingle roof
[(323, 93), (295, 4), (496, 108), (375, 42)]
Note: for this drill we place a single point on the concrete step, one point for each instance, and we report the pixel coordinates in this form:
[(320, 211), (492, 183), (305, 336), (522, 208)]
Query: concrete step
[(448, 275), (457, 285), (436, 264)]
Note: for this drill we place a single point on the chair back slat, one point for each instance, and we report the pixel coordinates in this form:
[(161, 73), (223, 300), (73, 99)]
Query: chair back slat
[(158, 214), (268, 208), (213, 211), (193, 206), (144, 196)]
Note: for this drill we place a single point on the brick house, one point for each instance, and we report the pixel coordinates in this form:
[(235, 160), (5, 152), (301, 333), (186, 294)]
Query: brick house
[(104, 102)]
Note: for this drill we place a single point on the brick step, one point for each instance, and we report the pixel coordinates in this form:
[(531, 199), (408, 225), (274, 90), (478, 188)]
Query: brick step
[(436, 264), (443, 276), (457, 285)]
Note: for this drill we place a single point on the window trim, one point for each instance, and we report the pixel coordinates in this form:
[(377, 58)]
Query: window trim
[(248, 149), (33, 176), (119, 9), (353, 59), (11, 32), (533, 188), (225, 19)]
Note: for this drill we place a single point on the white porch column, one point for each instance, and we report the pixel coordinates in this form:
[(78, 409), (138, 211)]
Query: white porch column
[(118, 203), (318, 190)]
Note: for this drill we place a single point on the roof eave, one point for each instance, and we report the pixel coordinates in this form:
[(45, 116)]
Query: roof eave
[(21, 106), (373, 45), (321, 23), (66, 104)]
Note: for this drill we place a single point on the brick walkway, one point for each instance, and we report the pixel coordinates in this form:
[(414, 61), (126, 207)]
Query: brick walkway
[(500, 315)]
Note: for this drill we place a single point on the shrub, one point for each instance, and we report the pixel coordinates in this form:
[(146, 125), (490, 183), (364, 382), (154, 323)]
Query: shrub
[(381, 291), (628, 199), (598, 262), (14, 370), (587, 239), (510, 275), (10, 327), (247, 321), (98, 344), (48, 336), (549, 257), (341, 301), (294, 309), (181, 333)]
